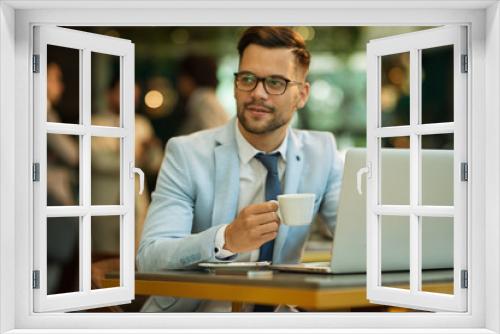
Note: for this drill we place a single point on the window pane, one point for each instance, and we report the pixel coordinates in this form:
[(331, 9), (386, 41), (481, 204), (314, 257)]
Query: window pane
[(63, 85), (105, 163), (105, 232), (395, 251), (63, 164), (437, 84), (62, 254), (437, 169), (395, 171), (105, 89), (395, 89), (437, 253)]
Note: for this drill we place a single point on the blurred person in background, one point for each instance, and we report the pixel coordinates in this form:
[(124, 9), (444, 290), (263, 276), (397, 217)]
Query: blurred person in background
[(163, 110), (106, 172), (196, 85), (62, 190), (63, 151)]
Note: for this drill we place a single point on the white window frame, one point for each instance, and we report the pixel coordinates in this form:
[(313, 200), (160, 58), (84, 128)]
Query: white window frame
[(414, 43), (86, 44), (16, 20)]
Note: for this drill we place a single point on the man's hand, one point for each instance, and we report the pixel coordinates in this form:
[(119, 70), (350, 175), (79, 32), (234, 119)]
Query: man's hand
[(255, 225)]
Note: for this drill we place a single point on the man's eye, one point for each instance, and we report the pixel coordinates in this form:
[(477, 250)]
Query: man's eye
[(248, 79), (275, 82)]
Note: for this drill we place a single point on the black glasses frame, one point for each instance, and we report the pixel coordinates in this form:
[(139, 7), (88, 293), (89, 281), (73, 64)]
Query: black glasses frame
[(263, 79)]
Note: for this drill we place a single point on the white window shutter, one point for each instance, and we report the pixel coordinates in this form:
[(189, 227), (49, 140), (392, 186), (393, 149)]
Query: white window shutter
[(413, 296), (85, 43)]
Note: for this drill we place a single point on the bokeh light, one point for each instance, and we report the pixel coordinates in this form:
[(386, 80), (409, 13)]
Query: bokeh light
[(153, 99)]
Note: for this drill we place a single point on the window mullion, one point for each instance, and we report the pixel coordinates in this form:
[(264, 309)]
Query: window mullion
[(415, 174), (85, 179)]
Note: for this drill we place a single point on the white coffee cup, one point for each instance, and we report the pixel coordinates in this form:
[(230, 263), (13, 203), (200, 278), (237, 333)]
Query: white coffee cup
[(296, 209)]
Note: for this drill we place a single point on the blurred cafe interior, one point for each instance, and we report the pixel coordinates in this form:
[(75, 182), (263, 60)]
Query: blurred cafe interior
[(172, 66)]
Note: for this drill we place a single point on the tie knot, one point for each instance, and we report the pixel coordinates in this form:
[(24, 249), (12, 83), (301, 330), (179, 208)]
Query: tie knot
[(270, 161)]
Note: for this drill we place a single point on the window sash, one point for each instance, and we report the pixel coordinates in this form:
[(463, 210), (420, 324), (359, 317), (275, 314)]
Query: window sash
[(86, 43), (413, 43)]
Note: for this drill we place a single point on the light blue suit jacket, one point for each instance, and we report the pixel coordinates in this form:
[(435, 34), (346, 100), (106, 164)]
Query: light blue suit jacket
[(197, 191)]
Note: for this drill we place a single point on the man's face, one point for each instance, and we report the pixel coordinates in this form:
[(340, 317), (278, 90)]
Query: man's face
[(259, 112)]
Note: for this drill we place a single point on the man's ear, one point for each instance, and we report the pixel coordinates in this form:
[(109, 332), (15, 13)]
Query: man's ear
[(303, 95)]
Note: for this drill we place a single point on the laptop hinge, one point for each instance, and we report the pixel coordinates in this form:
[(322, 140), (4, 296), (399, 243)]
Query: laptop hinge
[(36, 279), (464, 284), (464, 174)]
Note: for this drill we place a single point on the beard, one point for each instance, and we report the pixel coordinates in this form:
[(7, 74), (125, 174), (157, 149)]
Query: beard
[(262, 126)]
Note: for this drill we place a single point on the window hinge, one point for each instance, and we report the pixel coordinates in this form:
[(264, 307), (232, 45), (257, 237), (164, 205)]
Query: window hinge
[(36, 63), (464, 171), (465, 66), (36, 279), (465, 279), (36, 172)]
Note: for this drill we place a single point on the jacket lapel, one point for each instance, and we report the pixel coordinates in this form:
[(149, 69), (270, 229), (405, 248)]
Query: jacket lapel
[(227, 176), (227, 180), (294, 163)]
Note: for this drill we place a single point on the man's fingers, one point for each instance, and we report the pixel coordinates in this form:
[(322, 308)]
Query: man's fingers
[(256, 220), (270, 206), (267, 217), (268, 237), (267, 228)]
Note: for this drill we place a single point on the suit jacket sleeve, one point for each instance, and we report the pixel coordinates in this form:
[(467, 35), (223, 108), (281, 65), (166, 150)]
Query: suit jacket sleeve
[(167, 240), (329, 205)]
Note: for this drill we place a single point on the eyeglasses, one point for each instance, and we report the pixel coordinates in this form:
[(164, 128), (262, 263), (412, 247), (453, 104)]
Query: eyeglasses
[(273, 85)]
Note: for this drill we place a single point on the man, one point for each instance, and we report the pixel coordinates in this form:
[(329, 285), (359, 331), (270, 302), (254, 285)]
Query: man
[(214, 196)]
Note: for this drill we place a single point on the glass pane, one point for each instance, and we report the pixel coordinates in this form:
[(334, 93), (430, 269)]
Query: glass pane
[(395, 251), (63, 85), (437, 84), (395, 89), (437, 253), (63, 255), (105, 89), (63, 163), (395, 171), (105, 163), (437, 169), (105, 232)]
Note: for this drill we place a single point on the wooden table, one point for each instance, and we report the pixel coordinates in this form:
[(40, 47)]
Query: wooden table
[(319, 292)]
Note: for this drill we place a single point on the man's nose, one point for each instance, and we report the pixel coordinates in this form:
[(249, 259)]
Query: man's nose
[(260, 92)]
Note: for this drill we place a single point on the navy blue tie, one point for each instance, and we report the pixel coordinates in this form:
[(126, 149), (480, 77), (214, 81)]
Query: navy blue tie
[(273, 189)]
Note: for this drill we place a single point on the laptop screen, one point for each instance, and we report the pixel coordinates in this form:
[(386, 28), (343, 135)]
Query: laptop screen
[(349, 246)]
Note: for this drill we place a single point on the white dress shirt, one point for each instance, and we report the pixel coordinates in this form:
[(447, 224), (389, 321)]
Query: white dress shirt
[(252, 191), (252, 187)]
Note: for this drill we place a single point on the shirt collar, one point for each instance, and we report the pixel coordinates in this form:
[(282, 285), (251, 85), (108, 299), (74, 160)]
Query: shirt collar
[(246, 151)]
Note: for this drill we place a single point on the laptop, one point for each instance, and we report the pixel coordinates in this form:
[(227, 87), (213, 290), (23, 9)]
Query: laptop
[(349, 242)]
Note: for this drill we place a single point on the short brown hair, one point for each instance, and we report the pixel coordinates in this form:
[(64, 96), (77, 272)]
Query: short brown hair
[(276, 37)]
